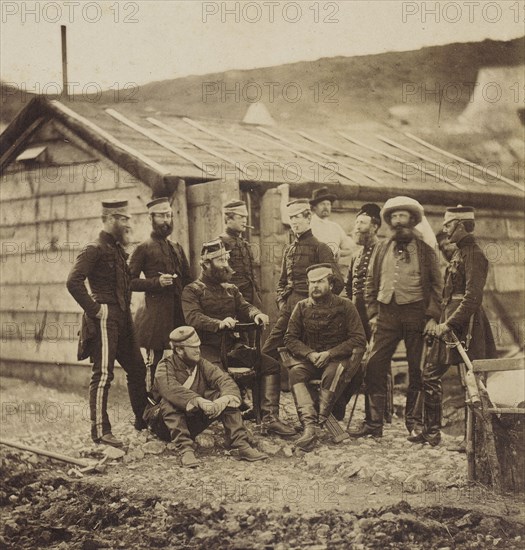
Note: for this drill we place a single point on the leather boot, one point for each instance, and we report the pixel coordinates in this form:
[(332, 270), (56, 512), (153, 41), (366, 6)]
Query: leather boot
[(307, 415), (432, 422), (270, 394), (326, 404), (373, 424)]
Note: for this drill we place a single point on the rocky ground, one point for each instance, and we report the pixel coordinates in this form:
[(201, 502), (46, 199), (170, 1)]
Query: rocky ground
[(361, 494)]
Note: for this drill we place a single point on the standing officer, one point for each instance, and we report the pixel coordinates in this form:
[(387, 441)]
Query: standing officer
[(212, 305), (305, 251), (241, 257), (367, 224), (463, 313), (166, 271), (107, 327), (402, 294), (324, 332)]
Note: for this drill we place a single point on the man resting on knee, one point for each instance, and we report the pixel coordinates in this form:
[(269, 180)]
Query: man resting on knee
[(193, 393)]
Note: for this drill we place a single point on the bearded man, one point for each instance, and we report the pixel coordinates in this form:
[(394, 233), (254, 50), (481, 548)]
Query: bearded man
[(107, 331), (402, 293), (213, 307), (166, 272)]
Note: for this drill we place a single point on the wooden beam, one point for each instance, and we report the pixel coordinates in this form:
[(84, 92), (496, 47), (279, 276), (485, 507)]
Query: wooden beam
[(422, 156), (498, 365), (506, 410), (351, 155), (280, 143), (8, 155), (465, 161), (150, 135), (401, 161)]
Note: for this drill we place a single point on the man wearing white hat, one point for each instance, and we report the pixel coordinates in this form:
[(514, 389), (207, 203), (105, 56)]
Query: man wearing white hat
[(107, 331), (192, 393), (305, 251), (463, 313), (241, 256), (402, 293), (166, 272), (213, 306), (326, 336)]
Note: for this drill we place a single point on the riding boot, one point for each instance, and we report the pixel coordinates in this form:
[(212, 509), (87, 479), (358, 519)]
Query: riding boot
[(413, 412), (373, 424), (432, 411), (307, 415), (270, 395)]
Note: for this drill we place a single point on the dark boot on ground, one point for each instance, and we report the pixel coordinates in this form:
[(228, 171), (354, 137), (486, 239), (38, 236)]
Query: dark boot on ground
[(249, 454), (270, 396), (307, 415), (414, 412), (309, 438), (109, 439), (431, 411), (373, 424)]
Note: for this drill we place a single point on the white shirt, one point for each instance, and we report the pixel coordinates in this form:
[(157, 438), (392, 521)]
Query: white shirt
[(331, 233)]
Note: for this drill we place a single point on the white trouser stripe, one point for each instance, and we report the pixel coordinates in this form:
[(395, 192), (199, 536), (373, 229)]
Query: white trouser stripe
[(103, 368)]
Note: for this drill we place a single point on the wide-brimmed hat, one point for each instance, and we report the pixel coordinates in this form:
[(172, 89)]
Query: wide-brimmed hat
[(402, 203), (322, 194)]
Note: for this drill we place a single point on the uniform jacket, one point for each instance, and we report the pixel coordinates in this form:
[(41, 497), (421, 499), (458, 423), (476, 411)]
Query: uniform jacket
[(209, 379), (162, 310), (431, 279), (333, 326), (103, 264), (465, 280), (205, 303), (242, 262), (305, 251)]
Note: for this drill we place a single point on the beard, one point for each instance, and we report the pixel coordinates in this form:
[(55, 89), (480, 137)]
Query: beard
[(221, 274), (164, 229), (403, 234), (122, 235), (361, 238)]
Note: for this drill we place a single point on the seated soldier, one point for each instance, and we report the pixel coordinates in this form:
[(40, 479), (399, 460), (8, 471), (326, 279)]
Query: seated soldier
[(326, 334), (193, 393), (213, 307)]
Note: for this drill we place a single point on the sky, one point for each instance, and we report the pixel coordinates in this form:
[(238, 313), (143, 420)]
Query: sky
[(112, 44)]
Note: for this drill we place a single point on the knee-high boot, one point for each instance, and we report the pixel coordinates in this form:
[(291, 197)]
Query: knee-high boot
[(270, 397), (307, 415)]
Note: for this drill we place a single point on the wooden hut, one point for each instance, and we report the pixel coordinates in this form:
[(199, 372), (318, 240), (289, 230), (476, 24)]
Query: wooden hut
[(60, 160)]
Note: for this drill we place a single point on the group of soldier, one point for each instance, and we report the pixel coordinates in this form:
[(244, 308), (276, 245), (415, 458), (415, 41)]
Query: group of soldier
[(201, 357)]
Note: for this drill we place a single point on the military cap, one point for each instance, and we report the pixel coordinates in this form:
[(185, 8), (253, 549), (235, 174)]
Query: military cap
[(402, 203), (372, 211), (458, 212), (115, 206), (297, 206), (213, 249), (322, 194), (185, 336), (318, 271), (235, 207), (159, 206)]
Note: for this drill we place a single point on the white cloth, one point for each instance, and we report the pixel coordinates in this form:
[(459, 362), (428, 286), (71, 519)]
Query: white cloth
[(331, 233)]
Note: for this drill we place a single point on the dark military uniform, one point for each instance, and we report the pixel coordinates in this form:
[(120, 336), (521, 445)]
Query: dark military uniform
[(242, 262), (177, 386), (112, 336), (465, 280), (162, 310), (356, 282), (305, 251)]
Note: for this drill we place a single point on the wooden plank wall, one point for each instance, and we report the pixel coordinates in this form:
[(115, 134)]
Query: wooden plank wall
[(47, 216)]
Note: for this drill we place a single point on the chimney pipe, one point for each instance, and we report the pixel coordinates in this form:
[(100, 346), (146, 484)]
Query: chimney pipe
[(65, 91)]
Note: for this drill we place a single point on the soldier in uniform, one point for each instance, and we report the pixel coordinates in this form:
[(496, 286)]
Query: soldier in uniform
[(367, 224), (166, 272), (324, 331), (462, 313), (403, 287), (211, 304), (192, 393), (241, 257), (305, 251), (107, 327)]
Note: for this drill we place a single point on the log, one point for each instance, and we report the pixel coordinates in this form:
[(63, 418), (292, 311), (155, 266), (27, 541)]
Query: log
[(44, 452)]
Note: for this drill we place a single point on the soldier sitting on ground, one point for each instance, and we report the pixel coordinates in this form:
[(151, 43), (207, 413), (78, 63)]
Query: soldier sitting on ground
[(192, 393)]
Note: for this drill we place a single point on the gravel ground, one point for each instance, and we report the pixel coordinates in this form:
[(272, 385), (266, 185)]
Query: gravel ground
[(372, 494)]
